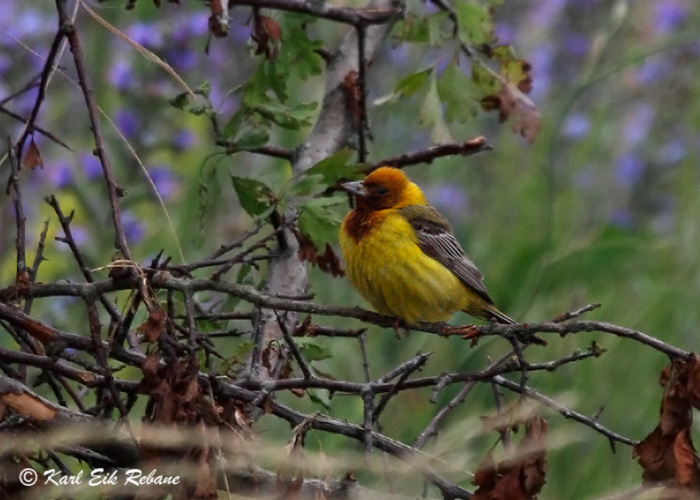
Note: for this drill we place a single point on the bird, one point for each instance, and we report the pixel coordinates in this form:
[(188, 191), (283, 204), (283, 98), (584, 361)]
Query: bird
[(401, 254)]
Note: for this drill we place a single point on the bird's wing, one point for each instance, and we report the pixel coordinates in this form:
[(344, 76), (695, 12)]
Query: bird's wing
[(436, 239)]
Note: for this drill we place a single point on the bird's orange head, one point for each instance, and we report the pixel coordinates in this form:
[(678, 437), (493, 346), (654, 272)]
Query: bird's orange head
[(384, 188)]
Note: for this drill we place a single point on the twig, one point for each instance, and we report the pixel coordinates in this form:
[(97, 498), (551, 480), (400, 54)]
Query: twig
[(20, 237), (467, 148), (498, 399), (260, 299), (77, 254), (362, 339), (303, 365), (45, 75), (576, 313), (412, 367), (431, 429), (368, 412), (114, 192), (267, 150), (408, 366), (38, 259), (33, 82), (355, 17), (613, 437), (35, 128), (363, 127)]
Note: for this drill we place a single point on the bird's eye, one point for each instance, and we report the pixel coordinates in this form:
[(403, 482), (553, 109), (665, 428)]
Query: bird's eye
[(382, 191)]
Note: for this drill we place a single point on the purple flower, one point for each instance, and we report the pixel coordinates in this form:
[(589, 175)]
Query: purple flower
[(184, 139), (576, 126), (25, 103), (545, 13), (638, 124), (576, 45), (504, 33), (194, 24), (442, 64), (60, 175), (668, 15), (121, 75), (628, 170), (162, 176), (622, 218), (448, 198), (127, 122), (133, 227), (80, 234), (430, 7), (399, 55), (654, 69), (91, 166), (145, 34), (673, 151), (223, 101), (5, 63), (27, 23), (541, 60), (241, 32), (183, 59)]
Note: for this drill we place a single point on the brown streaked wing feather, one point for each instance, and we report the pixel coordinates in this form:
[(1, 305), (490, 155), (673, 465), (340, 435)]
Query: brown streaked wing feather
[(436, 239)]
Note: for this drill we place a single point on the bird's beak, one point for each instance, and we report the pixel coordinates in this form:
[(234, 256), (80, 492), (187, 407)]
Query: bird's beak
[(356, 188)]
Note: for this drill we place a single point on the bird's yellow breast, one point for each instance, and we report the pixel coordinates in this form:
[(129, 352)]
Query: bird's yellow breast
[(391, 271)]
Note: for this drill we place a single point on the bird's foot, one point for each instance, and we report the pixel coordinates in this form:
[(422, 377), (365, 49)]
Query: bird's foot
[(397, 329), (465, 331)]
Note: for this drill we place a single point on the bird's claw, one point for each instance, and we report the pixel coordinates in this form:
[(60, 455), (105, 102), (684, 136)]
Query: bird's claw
[(397, 329), (465, 331)]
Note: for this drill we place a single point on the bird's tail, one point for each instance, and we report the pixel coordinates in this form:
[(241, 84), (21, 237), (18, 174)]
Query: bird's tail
[(491, 312)]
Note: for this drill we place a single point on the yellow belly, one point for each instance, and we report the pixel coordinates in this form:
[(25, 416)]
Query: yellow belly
[(391, 271)]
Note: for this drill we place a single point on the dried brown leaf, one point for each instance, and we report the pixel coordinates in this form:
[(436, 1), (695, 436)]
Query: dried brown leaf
[(153, 326), (218, 21), (519, 477), (511, 103), (32, 158), (328, 262), (667, 455), (267, 34)]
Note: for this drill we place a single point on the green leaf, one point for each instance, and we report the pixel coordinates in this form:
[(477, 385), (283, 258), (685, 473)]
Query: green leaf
[(307, 185), (411, 84), (208, 192), (245, 275), (233, 124), (311, 350), (412, 29), (324, 374), (484, 79), (438, 28), (318, 223), (180, 101), (243, 349), (458, 92), (290, 118), (320, 397), (335, 168), (430, 115), (474, 23), (297, 51), (252, 139), (204, 89), (255, 197)]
